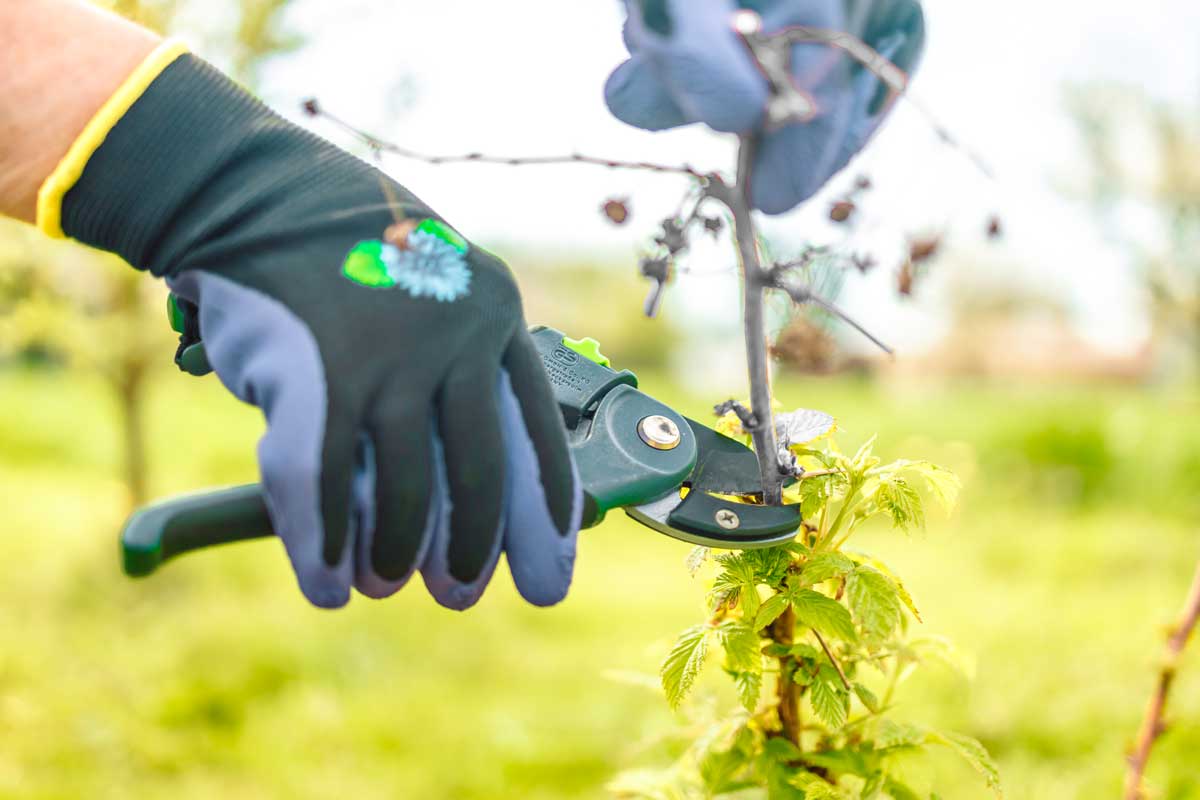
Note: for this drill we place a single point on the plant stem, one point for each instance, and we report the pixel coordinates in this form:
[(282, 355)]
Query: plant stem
[(1153, 725), (829, 654), (787, 692), (755, 283)]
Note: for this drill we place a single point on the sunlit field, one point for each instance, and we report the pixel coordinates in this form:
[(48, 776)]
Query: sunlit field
[(1071, 550)]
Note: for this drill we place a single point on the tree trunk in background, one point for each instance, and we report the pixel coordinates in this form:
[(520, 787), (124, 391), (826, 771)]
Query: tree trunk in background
[(130, 387)]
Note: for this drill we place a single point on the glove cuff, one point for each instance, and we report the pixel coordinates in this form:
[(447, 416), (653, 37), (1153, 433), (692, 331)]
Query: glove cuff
[(68, 172)]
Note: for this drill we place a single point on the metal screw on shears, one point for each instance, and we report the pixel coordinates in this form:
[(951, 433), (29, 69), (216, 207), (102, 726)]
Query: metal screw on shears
[(727, 519), (659, 432)]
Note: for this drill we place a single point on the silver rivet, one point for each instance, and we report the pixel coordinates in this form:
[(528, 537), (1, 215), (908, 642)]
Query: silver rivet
[(659, 432), (728, 520)]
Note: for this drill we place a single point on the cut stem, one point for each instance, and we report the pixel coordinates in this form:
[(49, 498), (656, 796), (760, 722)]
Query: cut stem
[(755, 282)]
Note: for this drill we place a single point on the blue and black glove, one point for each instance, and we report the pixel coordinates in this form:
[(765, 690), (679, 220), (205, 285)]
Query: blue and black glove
[(410, 421), (687, 65)]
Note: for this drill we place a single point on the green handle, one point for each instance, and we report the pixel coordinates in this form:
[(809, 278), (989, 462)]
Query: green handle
[(175, 526)]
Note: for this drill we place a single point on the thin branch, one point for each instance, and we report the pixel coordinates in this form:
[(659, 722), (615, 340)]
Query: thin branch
[(314, 109), (841, 673), (802, 295), (891, 75), (1153, 725), (755, 281)]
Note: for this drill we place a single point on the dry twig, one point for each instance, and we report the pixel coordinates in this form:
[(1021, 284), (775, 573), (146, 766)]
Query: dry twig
[(1153, 724)]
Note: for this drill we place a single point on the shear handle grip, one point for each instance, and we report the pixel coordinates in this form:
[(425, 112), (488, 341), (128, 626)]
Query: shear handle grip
[(182, 524)]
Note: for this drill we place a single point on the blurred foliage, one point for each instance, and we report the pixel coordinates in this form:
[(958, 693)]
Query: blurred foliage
[(1145, 180), (65, 303), (215, 679), (588, 298)]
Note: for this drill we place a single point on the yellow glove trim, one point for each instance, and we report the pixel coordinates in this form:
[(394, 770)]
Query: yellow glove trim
[(70, 169)]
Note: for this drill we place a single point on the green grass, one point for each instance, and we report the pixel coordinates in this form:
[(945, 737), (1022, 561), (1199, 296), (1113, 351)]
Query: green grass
[(1072, 549)]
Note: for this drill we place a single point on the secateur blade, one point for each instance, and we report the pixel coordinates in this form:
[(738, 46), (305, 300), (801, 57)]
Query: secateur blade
[(700, 516)]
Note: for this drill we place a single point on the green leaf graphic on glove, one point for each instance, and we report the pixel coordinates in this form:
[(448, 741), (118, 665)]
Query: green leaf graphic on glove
[(426, 260)]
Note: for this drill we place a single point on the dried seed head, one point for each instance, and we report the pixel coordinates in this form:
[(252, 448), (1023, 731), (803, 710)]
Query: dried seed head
[(841, 211), (995, 227), (925, 248), (617, 210), (905, 279)]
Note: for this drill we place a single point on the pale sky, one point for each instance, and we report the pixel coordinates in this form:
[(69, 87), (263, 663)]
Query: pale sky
[(525, 77)]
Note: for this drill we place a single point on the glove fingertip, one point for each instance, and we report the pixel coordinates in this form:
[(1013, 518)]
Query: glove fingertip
[(636, 96)]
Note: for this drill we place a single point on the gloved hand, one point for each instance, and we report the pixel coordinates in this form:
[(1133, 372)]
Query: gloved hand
[(410, 421), (688, 65)]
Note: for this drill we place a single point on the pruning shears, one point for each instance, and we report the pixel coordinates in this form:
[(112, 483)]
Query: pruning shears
[(668, 472)]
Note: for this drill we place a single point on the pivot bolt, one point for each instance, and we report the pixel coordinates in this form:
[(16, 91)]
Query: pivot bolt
[(728, 520), (659, 432)]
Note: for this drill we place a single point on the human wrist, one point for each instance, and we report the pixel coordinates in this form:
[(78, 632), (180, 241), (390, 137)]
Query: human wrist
[(60, 61)]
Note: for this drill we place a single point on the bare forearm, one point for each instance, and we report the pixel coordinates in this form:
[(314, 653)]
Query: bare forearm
[(60, 60)]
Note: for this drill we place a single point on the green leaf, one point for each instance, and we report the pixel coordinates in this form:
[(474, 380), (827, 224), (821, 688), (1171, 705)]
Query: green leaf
[(771, 610), (738, 580), (741, 645), (749, 688), (867, 697), (974, 753), (875, 601), (815, 788), (805, 650), (943, 484), (696, 559), (898, 790), (823, 614), (899, 735), (683, 663), (830, 700), (825, 566), (901, 501)]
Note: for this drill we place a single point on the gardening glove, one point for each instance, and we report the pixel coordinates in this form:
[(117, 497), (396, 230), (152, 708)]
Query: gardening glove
[(411, 424), (687, 64)]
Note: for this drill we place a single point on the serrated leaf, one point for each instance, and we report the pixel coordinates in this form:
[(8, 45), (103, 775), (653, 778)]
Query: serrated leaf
[(895, 497), (943, 484), (867, 697), (696, 559), (825, 566), (815, 787), (805, 650), (749, 688), (905, 597), (875, 601), (802, 426), (683, 663), (894, 735), (830, 700), (741, 644), (863, 460), (823, 614), (770, 610), (737, 580), (974, 753)]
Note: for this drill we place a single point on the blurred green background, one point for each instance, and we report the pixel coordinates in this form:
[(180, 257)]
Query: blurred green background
[(1073, 547), (1071, 551)]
